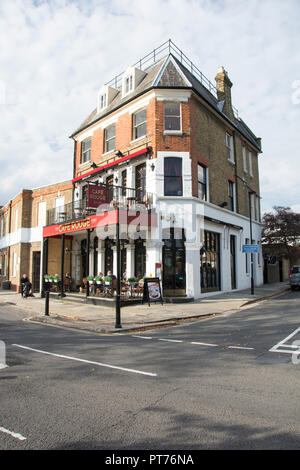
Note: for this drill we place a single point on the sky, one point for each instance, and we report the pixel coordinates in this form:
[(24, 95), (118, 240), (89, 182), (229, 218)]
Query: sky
[(56, 54)]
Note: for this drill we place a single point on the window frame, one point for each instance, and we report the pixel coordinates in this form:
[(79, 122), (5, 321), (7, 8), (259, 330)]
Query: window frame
[(179, 117), (85, 151), (231, 197), (250, 160), (108, 140), (167, 178), (229, 145), (136, 126), (202, 183), (244, 153)]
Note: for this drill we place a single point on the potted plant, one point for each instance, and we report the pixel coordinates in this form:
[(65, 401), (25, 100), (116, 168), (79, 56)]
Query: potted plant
[(132, 280), (90, 279), (98, 280), (107, 280)]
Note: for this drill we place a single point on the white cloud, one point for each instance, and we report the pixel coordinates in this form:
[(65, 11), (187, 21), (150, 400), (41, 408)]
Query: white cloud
[(56, 54)]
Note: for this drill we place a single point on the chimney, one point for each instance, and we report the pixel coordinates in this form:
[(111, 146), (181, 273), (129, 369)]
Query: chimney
[(224, 91)]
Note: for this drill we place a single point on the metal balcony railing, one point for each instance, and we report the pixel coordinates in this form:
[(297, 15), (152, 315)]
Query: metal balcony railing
[(116, 196)]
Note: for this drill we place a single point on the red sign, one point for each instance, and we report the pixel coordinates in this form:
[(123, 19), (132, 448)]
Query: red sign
[(96, 195)]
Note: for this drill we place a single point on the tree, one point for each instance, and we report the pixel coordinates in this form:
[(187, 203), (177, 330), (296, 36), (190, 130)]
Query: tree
[(281, 233)]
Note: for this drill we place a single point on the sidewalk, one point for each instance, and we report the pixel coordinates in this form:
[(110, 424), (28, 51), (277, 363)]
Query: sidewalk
[(101, 319)]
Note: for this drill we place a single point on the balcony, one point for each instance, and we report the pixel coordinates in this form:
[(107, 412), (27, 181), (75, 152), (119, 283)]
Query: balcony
[(116, 197)]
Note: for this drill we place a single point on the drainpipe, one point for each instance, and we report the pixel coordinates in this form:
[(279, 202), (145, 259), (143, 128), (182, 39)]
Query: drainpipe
[(235, 174), (8, 247)]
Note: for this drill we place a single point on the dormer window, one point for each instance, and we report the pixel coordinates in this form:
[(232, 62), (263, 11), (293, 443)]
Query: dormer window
[(131, 79), (102, 101), (128, 84), (105, 97)]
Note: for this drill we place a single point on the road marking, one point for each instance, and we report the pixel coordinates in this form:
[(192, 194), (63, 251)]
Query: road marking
[(171, 340), (204, 344), (142, 337), (282, 344), (125, 369), (238, 347), (13, 434)]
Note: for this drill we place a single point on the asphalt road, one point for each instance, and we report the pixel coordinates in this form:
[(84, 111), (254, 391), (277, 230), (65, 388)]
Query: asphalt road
[(209, 384)]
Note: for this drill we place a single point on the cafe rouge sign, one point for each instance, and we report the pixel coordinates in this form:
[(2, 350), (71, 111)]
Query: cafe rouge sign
[(105, 218), (78, 225)]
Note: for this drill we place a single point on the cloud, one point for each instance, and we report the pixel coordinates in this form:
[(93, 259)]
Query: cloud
[(56, 54)]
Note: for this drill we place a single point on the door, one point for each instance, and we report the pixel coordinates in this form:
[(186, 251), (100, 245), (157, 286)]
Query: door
[(36, 271), (174, 282), (233, 261)]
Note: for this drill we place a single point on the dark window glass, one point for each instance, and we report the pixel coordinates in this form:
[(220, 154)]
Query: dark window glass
[(210, 262), (172, 116), (173, 176)]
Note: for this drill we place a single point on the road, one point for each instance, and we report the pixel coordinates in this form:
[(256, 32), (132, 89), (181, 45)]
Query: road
[(210, 384)]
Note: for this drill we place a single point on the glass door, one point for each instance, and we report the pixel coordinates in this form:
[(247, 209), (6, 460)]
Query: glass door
[(174, 281)]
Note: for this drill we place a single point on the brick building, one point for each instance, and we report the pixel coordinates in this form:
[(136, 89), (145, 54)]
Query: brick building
[(171, 153), (21, 233)]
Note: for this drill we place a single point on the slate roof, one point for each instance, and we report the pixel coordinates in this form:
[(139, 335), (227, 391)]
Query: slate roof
[(169, 72)]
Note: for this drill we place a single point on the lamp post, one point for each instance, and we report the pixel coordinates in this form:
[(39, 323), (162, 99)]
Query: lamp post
[(250, 193), (118, 287)]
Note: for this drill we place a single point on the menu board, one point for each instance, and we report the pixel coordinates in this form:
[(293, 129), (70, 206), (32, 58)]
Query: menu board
[(152, 290)]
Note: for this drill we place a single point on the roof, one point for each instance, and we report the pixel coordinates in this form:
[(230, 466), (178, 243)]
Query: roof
[(169, 72)]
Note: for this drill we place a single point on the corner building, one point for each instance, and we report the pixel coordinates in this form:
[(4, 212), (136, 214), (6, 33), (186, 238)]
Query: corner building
[(170, 150)]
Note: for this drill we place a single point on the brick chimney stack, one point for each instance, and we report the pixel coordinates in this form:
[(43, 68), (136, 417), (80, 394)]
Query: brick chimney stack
[(224, 91)]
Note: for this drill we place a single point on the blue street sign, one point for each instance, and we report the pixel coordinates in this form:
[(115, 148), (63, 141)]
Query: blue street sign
[(250, 249)]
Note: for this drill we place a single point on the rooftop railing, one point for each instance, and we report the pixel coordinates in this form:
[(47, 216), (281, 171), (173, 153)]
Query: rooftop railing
[(157, 54)]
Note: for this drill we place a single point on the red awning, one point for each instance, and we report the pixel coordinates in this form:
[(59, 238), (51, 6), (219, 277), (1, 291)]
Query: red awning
[(109, 165)]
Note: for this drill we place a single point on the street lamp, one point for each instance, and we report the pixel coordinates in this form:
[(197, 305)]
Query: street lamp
[(250, 193), (118, 290)]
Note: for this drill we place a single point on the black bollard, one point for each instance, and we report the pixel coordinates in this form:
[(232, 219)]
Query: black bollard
[(47, 303)]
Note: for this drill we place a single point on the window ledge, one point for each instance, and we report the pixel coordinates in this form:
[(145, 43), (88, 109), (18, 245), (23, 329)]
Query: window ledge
[(111, 152), (138, 139), (173, 133), (84, 164)]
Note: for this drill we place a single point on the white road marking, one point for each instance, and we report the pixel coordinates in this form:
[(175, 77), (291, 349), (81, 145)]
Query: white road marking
[(13, 434), (282, 344), (238, 347), (204, 344), (171, 340), (142, 337), (125, 369)]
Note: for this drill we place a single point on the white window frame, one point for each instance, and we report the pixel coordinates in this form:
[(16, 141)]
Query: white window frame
[(233, 196), (109, 139), (173, 131), (250, 163), (134, 126), (102, 101), (85, 152), (128, 84), (229, 145)]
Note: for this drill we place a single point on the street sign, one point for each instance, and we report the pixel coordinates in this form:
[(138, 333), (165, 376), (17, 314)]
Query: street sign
[(250, 249)]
